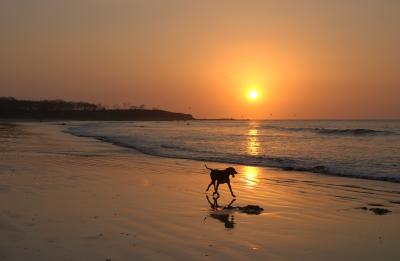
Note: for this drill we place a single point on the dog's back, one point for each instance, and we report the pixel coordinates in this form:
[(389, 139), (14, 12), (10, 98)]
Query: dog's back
[(221, 175)]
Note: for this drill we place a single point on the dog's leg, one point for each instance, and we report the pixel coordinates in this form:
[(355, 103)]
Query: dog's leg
[(230, 188), (216, 188), (209, 185)]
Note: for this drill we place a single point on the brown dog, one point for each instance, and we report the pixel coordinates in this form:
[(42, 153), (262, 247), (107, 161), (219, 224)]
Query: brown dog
[(220, 177)]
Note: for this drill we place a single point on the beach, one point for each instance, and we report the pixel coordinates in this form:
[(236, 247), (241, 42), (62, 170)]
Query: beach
[(64, 197)]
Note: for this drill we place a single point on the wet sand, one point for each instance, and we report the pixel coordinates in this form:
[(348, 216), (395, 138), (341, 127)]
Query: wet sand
[(69, 198)]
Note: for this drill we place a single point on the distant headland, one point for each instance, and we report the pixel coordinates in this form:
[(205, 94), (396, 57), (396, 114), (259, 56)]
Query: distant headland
[(11, 108)]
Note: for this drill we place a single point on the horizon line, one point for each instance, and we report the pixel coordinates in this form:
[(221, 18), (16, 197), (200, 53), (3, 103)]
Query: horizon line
[(299, 119)]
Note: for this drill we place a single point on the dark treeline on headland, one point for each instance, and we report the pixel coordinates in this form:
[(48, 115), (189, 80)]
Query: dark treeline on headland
[(11, 108)]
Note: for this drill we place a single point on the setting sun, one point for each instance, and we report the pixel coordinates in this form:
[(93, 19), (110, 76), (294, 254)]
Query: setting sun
[(253, 95)]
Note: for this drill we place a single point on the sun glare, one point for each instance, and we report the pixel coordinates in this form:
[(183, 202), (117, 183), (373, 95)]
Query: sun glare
[(253, 95)]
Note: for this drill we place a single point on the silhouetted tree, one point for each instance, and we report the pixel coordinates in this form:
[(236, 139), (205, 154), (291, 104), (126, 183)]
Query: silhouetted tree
[(59, 109)]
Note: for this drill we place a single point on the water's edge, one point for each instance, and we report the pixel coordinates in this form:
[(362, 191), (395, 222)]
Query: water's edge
[(275, 162)]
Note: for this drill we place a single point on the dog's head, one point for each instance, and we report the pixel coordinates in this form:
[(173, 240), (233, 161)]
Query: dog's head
[(231, 171)]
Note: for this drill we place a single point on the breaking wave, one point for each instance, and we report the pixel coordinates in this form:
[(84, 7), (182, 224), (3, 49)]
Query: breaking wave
[(167, 148)]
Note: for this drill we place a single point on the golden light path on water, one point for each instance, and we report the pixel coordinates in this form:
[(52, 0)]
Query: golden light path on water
[(253, 144), (253, 149), (250, 176)]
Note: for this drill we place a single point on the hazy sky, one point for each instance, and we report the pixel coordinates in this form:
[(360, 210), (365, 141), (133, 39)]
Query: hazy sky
[(312, 59)]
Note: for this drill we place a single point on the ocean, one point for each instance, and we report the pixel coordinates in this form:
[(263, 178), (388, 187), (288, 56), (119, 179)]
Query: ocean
[(362, 149)]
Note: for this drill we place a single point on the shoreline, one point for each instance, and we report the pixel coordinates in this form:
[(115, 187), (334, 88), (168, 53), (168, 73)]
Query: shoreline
[(318, 169), (384, 179), (81, 199)]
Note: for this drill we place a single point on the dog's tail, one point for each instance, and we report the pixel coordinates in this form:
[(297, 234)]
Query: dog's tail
[(207, 167)]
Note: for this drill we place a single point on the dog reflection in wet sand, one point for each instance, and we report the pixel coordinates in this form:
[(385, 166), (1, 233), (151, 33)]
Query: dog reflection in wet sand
[(225, 214), (221, 214)]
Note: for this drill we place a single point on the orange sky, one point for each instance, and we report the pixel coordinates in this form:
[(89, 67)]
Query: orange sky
[(309, 59)]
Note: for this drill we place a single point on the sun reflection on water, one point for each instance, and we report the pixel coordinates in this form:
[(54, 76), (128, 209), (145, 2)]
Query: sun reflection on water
[(250, 176), (253, 144)]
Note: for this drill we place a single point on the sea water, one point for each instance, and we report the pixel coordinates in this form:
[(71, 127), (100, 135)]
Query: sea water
[(364, 149)]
